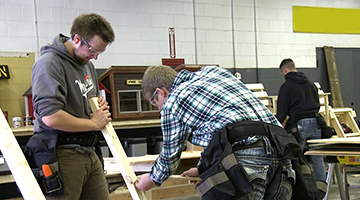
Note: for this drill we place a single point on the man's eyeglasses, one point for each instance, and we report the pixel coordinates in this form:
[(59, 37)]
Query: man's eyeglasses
[(152, 98), (91, 49)]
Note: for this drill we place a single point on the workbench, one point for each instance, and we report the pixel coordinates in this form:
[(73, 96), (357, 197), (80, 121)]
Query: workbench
[(118, 125), (335, 147), (141, 164), (173, 187)]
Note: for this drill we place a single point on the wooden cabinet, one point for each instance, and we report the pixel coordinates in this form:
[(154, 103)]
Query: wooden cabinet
[(125, 98)]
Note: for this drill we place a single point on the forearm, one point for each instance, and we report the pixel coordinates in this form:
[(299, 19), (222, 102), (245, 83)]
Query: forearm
[(64, 121), (163, 170)]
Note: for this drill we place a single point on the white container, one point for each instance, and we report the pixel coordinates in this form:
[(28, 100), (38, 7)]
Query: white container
[(16, 122)]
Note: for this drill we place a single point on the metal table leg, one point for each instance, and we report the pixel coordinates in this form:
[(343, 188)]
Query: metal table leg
[(346, 185), (328, 179), (339, 178)]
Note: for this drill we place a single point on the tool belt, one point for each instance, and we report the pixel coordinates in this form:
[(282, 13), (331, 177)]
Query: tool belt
[(85, 139), (326, 131), (259, 143), (285, 143), (41, 150), (222, 177), (82, 139)]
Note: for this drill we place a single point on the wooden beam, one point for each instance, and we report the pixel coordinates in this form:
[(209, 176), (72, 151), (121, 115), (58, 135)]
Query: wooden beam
[(119, 154), (17, 163), (333, 76), (175, 186), (173, 191), (353, 140), (128, 124)]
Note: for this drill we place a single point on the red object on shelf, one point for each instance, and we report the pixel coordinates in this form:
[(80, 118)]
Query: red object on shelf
[(172, 62)]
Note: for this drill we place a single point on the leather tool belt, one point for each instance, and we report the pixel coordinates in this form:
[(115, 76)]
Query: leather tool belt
[(82, 139), (285, 143)]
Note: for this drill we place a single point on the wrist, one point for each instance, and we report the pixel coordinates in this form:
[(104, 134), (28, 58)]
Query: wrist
[(154, 181)]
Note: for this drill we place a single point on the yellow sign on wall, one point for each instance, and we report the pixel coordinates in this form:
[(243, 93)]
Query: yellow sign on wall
[(326, 20), (4, 72)]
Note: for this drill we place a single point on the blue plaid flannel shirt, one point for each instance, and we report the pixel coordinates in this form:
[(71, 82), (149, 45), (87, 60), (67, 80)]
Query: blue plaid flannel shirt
[(199, 104)]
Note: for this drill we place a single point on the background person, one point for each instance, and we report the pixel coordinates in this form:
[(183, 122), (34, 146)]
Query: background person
[(298, 98)]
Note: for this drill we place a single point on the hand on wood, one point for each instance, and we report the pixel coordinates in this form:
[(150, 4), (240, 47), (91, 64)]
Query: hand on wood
[(192, 172), (102, 115), (144, 182)]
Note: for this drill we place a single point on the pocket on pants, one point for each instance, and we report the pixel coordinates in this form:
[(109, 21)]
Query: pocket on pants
[(254, 165), (225, 179)]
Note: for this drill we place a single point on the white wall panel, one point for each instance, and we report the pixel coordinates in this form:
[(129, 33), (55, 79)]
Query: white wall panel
[(258, 34)]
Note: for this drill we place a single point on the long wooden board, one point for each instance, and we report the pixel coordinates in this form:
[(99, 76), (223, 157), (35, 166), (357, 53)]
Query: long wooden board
[(17, 163), (119, 154), (128, 124), (352, 140), (144, 163), (332, 153), (333, 77)]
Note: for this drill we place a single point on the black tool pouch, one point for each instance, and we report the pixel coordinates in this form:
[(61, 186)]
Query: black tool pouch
[(326, 131), (306, 187), (286, 143), (99, 153), (40, 150), (222, 177)]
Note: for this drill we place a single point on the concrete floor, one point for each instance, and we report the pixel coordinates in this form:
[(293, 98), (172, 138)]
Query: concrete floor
[(353, 175)]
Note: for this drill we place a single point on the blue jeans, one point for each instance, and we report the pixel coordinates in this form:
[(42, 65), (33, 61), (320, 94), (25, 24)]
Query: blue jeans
[(271, 175), (309, 129)]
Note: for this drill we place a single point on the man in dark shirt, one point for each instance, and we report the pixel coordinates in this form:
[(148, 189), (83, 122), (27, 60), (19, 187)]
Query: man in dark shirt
[(298, 98)]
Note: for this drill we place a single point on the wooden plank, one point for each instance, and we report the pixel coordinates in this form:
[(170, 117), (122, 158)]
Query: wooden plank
[(119, 154), (333, 76), (144, 163), (255, 86), (317, 84), (173, 187), (322, 146), (352, 140), (332, 153), (17, 163), (334, 122), (173, 191), (129, 124), (6, 178), (349, 120), (260, 94)]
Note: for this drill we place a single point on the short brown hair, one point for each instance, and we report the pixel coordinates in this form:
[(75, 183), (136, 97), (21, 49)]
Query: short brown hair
[(160, 76), (287, 63), (89, 25)]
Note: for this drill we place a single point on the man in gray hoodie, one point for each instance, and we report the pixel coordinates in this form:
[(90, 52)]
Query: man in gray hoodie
[(63, 79)]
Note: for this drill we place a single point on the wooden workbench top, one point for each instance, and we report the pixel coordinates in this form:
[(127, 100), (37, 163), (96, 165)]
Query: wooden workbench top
[(130, 124), (139, 163), (144, 163)]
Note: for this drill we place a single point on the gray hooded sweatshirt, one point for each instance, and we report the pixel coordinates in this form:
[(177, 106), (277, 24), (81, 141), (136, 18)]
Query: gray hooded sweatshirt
[(60, 83)]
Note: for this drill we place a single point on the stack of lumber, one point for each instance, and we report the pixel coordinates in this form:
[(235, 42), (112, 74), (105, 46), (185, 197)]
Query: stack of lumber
[(258, 90), (335, 147)]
